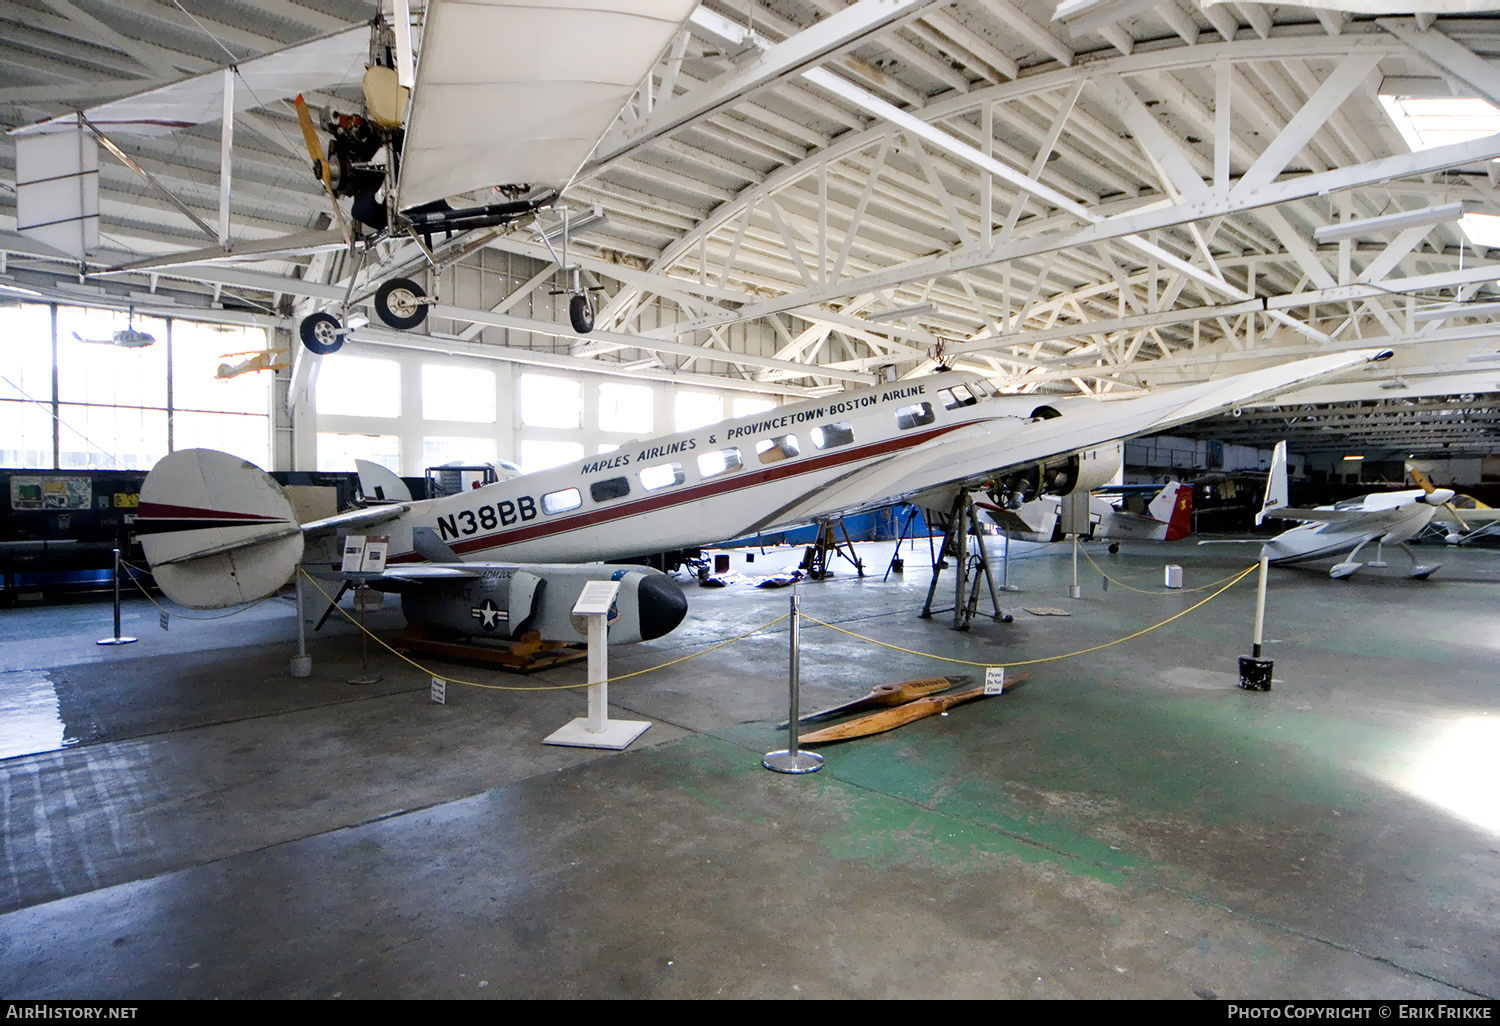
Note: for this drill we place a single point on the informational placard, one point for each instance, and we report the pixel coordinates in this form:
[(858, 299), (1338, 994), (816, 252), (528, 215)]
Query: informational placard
[(373, 560), (165, 619), (994, 680), (354, 551), (365, 554), (439, 691), (596, 598)]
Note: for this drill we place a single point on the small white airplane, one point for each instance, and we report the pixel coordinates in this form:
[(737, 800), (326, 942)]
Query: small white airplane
[(504, 558), (1168, 517), (461, 132), (1385, 518)]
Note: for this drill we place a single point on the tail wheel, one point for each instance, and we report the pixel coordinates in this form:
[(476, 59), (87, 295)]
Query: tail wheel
[(320, 334), (399, 303), (581, 313)]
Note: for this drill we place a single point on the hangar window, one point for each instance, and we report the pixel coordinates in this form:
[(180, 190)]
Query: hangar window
[(915, 415), (958, 395), (772, 450), (663, 475), (562, 501), (614, 488), (722, 461), (831, 436)]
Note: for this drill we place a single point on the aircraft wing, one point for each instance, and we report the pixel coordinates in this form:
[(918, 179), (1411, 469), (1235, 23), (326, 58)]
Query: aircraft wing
[(356, 519), (513, 91), (328, 60), (1349, 519)]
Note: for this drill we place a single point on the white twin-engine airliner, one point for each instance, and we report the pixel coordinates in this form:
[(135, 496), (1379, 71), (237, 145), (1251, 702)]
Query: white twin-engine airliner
[(218, 531)]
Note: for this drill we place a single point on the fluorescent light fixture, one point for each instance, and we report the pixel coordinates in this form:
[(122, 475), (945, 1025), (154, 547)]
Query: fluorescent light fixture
[(585, 221), (902, 311), (1439, 313), (1390, 222), (1083, 16), (1394, 383), (1483, 357), (1353, 458), (17, 289)]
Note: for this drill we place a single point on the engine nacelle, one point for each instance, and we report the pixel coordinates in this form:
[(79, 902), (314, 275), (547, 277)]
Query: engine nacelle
[(505, 603), (1082, 471)]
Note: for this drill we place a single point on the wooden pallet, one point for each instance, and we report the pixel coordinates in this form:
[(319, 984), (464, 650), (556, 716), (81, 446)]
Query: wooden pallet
[(528, 655)]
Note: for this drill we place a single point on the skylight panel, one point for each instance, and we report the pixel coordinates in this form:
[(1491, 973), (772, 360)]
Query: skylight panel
[(1425, 122)]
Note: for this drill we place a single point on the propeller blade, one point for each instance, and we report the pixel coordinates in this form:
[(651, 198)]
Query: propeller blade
[(320, 165), (1461, 521)]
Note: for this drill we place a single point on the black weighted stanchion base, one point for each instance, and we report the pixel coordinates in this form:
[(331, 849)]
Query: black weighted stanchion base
[(115, 641), (1255, 674), (793, 762)]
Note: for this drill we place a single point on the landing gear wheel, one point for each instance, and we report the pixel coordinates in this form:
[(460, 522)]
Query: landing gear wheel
[(320, 334), (399, 303), (1114, 548), (581, 313)]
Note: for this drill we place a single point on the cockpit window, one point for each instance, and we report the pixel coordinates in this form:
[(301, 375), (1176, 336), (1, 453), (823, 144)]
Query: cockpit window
[(958, 395)]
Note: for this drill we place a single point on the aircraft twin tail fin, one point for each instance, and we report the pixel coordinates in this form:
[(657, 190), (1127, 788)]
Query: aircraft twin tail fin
[(1176, 509), (1276, 495), (216, 529)]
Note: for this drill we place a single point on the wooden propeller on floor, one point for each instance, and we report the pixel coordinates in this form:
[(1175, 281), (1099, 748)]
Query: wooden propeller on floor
[(885, 695), (890, 719)]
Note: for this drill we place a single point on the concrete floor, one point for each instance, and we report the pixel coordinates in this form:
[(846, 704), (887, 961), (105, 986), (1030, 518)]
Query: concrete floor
[(182, 819)]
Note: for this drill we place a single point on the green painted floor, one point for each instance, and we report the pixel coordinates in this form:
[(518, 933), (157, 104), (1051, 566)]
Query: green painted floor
[(1127, 824)]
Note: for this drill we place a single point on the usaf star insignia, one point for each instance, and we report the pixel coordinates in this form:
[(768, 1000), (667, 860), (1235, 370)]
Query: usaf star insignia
[(489, 615)]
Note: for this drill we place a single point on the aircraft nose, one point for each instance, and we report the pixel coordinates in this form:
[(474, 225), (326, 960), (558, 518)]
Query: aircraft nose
[(1438, 496), (663, 606)]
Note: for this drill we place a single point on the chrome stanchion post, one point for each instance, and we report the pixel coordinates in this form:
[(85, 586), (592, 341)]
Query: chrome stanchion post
[(791, 760), (116, 640)]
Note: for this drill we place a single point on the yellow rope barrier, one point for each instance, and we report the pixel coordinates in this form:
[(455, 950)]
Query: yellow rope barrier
[(1045, 659), (1164, 591), (546, 687)]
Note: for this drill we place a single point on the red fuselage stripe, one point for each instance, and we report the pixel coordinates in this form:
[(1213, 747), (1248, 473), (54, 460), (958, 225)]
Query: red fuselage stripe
[(731, 482)]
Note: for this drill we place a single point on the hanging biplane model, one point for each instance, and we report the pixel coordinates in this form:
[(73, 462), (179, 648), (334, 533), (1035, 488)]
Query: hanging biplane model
[(460, 134), (505, 557)]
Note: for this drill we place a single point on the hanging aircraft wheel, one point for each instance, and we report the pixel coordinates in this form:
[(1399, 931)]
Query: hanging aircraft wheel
[(581, 313), (320, 334), (399, 303)]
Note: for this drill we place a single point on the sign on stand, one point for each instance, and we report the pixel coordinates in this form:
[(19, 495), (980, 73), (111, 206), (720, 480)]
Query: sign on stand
[(597, 730), (439, 691), (994, 680)]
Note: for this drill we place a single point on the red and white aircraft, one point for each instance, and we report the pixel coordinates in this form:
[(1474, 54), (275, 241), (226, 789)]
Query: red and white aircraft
[(1167, 517), (218, 531)]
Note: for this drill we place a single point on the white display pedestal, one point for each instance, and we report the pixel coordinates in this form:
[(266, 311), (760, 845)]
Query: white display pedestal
[(597, 730)]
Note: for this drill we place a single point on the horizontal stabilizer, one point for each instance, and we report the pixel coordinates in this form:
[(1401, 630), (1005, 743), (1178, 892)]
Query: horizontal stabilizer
[(217, 530)]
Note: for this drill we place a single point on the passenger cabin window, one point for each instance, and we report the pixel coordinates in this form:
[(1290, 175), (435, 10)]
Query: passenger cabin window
[(957, 396), (916, 415), (722, 461), (831, 436), (614, 488), (562, 501), (773, 450), (663, 475)]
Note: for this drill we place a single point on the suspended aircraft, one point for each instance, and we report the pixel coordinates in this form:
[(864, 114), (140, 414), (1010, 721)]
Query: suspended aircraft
[(1385, 518), (452, 139), (512, 556)]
